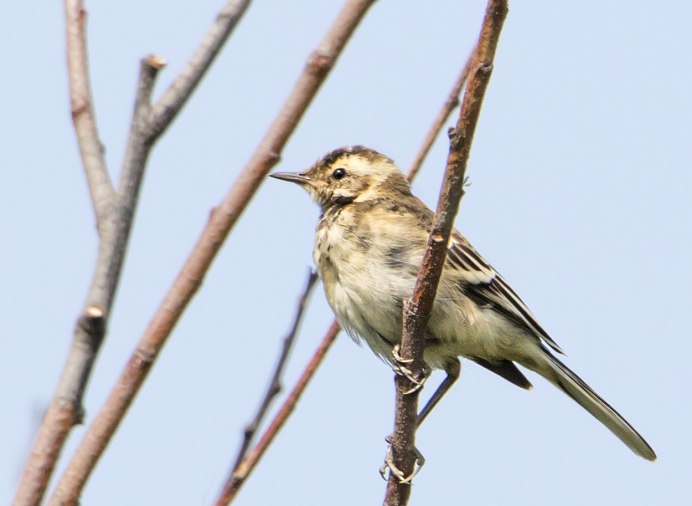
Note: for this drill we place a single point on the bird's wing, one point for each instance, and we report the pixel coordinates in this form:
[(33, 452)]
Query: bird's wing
[(485, 286)]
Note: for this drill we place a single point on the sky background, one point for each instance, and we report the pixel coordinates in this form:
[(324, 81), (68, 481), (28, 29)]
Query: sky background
[(580, 196)]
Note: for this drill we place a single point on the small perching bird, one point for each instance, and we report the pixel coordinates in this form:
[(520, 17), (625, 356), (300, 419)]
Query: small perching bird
[(369, 246)]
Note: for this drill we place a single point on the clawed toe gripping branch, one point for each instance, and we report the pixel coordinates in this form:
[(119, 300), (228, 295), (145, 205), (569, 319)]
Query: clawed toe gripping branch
[(390, 466), (400, 367)]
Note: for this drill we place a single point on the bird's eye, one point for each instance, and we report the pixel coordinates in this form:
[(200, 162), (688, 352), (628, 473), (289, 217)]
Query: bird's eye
[(339, 173)]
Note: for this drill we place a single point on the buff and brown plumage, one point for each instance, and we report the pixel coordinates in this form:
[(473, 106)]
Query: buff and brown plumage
[(369, 246)]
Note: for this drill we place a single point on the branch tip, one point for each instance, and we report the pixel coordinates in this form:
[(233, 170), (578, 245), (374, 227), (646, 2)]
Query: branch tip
[(155, 61), (94, 311)]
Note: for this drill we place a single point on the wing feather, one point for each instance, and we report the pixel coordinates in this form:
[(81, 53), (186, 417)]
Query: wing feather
[(486, 287)]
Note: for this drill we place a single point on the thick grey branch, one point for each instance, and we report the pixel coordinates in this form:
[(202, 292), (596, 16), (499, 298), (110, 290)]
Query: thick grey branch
[(65, 409), (114, 215)]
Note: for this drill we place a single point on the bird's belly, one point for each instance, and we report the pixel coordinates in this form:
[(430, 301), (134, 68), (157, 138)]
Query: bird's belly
[(366, 296), (367, 291)]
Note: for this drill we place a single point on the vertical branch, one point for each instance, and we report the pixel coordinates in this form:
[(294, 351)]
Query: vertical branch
[(417, 310), (190, 278)]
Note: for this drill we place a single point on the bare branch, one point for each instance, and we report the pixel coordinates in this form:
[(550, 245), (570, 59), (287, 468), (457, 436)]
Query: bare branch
[(418, 308), (449, 105), (243, 470), (170, 103), (275, 383), (65, 409), (188, 281), (83, 116), (139, 144), (114, 214)]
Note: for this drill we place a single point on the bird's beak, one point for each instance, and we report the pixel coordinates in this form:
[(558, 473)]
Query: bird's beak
[(293, 177)]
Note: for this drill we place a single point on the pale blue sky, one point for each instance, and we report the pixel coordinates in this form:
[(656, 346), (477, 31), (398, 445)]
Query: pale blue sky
[(580, 196)]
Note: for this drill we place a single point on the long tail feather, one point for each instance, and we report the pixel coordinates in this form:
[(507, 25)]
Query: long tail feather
[(561, 376)]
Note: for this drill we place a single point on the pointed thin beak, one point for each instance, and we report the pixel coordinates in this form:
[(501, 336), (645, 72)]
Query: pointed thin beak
[(293, 177)]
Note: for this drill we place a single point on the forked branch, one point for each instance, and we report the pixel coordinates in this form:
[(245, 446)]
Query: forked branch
[(114, 210)]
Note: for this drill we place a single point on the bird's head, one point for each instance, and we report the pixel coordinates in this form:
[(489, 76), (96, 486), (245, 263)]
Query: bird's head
[(350, 174)]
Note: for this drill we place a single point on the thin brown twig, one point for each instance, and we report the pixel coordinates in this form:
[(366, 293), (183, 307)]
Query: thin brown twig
[(243, 469), (443, 115), (241, 473), (173, 99), (274, 387), (190, 278), (418, 308)]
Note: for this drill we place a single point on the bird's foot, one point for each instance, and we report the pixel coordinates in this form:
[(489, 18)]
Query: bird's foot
[(395, 471), (400, 367), (397, 356)]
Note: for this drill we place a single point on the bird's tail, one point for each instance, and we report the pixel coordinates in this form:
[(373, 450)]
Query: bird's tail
[(561, 376)]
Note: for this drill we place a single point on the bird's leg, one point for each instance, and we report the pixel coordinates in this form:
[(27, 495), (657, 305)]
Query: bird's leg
[(400, 366), (453, 370)]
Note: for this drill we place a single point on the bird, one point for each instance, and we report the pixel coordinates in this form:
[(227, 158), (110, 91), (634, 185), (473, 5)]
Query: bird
[(369, 245)]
